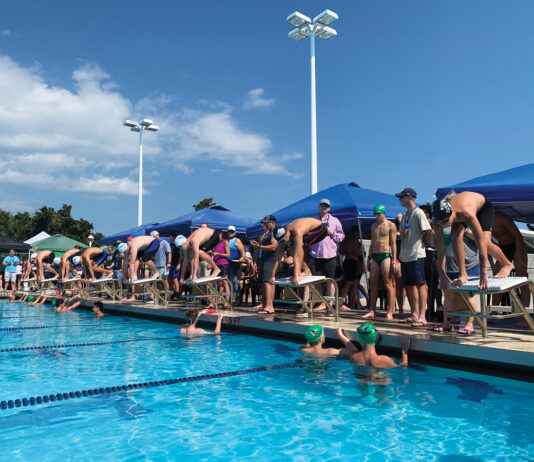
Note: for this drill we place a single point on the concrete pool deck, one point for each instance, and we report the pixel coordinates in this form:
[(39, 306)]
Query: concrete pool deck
[(506, 350)]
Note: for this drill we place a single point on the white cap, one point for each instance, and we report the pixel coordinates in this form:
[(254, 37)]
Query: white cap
[(76, 260), (57, 261), (231, 228), (180, 240), (248, 255), (122, 247), (33, 255), (325, 201), (154, 233)]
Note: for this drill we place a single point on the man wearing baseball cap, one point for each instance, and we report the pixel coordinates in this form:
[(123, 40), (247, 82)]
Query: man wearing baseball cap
[(237, 255), (414, 232), (323, 255), (162, 259)]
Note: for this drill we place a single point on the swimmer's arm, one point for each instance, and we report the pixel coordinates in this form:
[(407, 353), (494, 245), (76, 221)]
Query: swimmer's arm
[(480, 240), (393, 243), (299, 255), (405, 346), (277, 259), (350, 348), (218, 325), (457, 238)]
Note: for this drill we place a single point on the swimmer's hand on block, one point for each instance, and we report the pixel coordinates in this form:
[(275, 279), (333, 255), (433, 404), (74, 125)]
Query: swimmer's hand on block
[(305, 280), (202, 280), (494, 284)]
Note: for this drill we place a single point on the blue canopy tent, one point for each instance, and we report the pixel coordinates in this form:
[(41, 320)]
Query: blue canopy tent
[(511, 191), (349, 203), (215, 217), (138, 231)]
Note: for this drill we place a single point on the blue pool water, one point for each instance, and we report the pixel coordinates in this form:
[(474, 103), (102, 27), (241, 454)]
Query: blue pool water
[(311, 411)]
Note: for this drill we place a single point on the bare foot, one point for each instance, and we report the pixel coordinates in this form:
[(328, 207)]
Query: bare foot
[(389, 317), (344, 308), (321, 307), (215, 273), (504, 272), (258, 307), (370, 315)]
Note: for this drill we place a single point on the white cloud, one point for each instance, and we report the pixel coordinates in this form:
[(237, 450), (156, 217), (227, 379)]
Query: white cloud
[(5, 32), (52, 137), (255, 99)]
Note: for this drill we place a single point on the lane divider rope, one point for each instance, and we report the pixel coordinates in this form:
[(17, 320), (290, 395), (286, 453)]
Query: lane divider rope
[(9, 329), (44, 399), (74, 345)]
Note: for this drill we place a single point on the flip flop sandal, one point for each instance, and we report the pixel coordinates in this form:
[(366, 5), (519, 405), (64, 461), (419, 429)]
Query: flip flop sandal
[(440, 328), (264, 312), (466, 331), (419, 324)]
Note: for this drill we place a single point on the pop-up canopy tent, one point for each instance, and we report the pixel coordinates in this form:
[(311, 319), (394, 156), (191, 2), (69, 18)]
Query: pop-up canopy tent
[(215, 217), (6, 244), (511, 191), (348, 202), (38, 237), (57, 243), (121, 236)]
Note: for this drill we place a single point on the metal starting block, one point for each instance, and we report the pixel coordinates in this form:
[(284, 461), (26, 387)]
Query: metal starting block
[(208, 288), (311, 282), (147, 286), (496, 286)]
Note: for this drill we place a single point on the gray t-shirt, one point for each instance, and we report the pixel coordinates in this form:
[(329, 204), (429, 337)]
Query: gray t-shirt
[(471, 254), (413, 247), (160, 259)]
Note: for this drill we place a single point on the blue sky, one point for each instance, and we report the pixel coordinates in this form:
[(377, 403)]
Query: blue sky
[(412, 93)]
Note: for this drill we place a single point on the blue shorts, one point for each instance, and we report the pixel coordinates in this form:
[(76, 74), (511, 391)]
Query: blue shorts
[(173, 272), (472, 272), (413, 272)]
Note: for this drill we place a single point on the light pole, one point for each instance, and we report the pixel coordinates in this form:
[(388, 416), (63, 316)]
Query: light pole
[(145, 124), (318, 28), (90, 238)]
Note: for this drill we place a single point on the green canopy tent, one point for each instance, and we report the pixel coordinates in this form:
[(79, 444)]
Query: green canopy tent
[(58, 244)]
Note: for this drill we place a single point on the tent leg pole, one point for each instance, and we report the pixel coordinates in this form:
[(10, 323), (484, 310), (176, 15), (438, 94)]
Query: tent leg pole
[(364, 257)]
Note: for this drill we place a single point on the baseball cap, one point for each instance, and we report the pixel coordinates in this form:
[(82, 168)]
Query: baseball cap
[(407, 192), (129, 238), (154, 233), (231, 228), (269, 218), (325, 201)]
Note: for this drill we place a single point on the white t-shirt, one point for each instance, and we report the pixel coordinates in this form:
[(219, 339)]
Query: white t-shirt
[(413, 247)]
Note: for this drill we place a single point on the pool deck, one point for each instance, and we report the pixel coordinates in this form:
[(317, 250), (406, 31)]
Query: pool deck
[(506, 351)]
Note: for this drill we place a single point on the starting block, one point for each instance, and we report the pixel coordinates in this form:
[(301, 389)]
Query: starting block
[(208, 288), (50, 283), (148, 287), (311, 282), (31, 283), (496, 286), (110, 286)]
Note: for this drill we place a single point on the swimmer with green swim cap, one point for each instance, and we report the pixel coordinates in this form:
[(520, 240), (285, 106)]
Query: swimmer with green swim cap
[(382, 261), (315, 339), (368, 335)]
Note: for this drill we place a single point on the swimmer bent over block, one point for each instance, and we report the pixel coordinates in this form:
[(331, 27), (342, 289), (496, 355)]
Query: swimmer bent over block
[(139, 248), (196, 247)]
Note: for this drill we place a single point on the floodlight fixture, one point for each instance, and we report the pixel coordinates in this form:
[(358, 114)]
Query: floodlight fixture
[(298, 19), (306, 28), (140, 127), (325, 33), (325, 18), (298, 34)]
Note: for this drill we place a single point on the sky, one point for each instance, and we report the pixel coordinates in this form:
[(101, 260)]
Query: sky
[(413, 93)]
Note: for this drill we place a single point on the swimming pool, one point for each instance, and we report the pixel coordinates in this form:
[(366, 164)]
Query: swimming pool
[(313, 410)]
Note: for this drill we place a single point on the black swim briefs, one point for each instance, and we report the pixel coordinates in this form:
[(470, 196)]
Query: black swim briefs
[(315, 235), (211, 242), (50, 258), (485, 216)]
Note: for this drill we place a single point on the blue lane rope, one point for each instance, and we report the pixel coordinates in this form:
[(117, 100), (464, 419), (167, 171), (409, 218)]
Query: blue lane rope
[(74, 345), (44, 399)]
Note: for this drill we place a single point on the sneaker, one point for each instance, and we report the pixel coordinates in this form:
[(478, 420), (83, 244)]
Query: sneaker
[(302, 313)]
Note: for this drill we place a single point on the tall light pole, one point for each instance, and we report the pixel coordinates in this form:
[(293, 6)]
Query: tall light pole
[(145, 124), (318, 28)]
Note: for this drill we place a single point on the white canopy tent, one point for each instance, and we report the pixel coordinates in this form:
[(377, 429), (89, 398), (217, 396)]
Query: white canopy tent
[(38, 237)]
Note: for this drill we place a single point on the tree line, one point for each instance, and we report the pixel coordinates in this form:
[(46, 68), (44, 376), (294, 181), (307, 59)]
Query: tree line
[(23, 225)]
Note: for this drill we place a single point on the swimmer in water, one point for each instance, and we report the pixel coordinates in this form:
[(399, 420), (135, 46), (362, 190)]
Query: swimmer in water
[(97, 310), (315, 340), (190, 327), (367, 335)]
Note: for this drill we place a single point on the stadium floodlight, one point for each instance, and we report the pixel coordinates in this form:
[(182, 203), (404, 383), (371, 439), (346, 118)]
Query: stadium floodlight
[(306, 28), (325, 18), (298, 19), (145, 124)]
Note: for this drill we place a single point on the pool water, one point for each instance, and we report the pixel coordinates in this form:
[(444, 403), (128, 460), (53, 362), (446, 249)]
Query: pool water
[(309, 411)]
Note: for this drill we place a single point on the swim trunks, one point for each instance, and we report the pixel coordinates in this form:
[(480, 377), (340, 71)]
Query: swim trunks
[(211, 242), (485, 216), (508, 250), (315, 235), (50, 258), (99, 258), (148, 253), (77, 254), (380, 257)]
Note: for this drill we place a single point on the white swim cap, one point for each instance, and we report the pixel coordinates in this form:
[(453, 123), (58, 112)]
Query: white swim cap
[(122, 247), (33, 256), (279, 233), (57, 261), (180, 240), (76, 260)]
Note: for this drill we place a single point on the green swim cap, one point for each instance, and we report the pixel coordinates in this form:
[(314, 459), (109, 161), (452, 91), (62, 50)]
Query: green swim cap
[(30, 298), (313, 333), (53, 302), (379, 208), (367, 333)]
